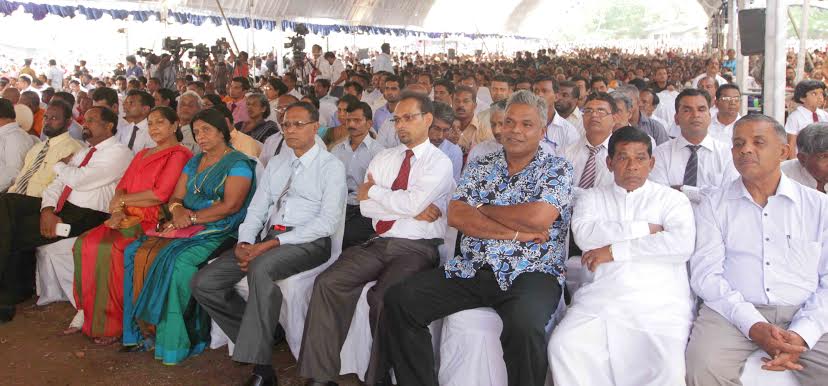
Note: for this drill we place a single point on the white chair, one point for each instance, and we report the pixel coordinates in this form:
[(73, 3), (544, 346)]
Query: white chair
[(356, 352), (296, 292), (55, 272), (752, 375)]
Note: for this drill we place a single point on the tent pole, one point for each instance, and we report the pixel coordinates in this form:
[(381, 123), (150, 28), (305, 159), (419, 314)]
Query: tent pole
[(803, 42), (774, 83), (226, 23), (252, 32), (742, 62)]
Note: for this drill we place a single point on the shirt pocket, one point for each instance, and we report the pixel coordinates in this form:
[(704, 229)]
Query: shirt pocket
[(802, 260)]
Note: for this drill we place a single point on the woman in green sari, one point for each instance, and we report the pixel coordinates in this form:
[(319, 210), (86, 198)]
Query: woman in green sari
[(209, 203)]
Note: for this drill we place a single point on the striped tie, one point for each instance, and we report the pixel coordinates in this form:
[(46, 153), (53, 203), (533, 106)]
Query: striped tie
[(588, 176), (23, 184), (692, 168)]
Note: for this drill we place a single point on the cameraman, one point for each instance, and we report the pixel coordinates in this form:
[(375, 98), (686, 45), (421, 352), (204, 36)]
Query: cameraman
[(240, 66), (163, 68)]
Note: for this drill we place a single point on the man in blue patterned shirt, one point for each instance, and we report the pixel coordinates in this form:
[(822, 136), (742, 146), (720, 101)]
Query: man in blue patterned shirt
[(513, 207)]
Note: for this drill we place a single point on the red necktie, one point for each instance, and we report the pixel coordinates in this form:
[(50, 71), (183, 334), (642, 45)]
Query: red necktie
[(67, 190), (816, 117), (400, 183)]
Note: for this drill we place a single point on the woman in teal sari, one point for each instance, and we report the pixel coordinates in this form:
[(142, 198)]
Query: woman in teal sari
[(211, 200)]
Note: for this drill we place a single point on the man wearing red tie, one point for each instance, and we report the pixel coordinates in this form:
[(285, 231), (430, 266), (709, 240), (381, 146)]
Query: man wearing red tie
[(79, 197), (405, 194)]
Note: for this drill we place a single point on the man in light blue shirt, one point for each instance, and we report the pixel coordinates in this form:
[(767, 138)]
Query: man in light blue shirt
[(297, 208), (356, 154), (437, 133)]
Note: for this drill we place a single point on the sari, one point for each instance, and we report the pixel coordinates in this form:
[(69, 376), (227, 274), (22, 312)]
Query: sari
[(99, 253), (157, 271)]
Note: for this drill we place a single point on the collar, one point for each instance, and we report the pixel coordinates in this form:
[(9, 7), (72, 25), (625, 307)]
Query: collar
[(503, 166), (306, 159), (111, 141), (806, 111), (787, 188), (584, 143), (718, 122), (60, 138), (420, 149), (556, 121), (707, 143), (9, 127), (144, 124), (643, 189)]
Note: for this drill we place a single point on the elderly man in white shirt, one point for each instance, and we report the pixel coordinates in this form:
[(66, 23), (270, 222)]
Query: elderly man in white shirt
[(810, 168), (133, 131), (713, 69), (761, 267), (629, 323), (14, 144), (694, 162)]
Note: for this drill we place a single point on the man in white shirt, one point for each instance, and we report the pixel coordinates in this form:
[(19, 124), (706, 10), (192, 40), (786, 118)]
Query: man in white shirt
[(383, 126), (189, 104), (79, 196), (290, 80), (374, 90), (588, 154), (14, 144), (501, 88), (406, 194), (327, 103), (55, 75), (134, 130), (356, 154), (332, 69), (566, 104), (482, 101), (437, 133), (497, 116), (383, 61), (728, 101), (810, 167), (761, 267), (559, 132), (713, 68), (694, 162), (629, 323)]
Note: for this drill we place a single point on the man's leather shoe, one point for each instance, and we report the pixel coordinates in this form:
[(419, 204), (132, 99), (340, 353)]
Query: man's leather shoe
[(257, 380), (7, 313), (321, 383)]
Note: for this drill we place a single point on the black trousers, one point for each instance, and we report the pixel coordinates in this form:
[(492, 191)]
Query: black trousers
[(358, 228), (525, 309), (20, 235)]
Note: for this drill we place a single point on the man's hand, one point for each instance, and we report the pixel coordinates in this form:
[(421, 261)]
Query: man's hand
[(362, 192), (655, 228), (772, 339), (592, 259), (430, 214), (245, 253), (786, 360), (48, 221), (67, 158)]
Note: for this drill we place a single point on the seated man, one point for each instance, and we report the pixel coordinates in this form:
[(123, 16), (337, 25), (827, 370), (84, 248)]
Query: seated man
[(14, 144), (810, 168), (79, 196), (307, 194), (629, 324), (406, 192), (761, 267), (437, 133), (513, 208), (356, 154)]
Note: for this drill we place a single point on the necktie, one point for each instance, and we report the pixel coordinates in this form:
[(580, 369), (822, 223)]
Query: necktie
[(67, 190), (132, 138), (692, 168), (232, 107), (588, 176), (400, 183), (279, 200), (23, 184), (816, 117)]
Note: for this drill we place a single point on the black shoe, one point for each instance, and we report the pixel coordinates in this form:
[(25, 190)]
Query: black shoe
[(7, 313), (279, 335), (258, 380), (321, 383)]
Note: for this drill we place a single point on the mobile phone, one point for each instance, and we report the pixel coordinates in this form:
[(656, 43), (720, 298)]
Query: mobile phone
[(62, 229)]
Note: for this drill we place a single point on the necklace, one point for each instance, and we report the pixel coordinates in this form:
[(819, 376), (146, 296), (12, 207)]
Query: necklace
[(197, 189)]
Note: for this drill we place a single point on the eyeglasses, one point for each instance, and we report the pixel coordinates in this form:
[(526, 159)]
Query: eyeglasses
[(730, 99), (600, 113), (267, 88), (287, 125), (405, 118)]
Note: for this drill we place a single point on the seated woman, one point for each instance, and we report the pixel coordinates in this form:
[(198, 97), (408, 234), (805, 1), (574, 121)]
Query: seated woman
[(148, 182), (209, 203), (257, 126)]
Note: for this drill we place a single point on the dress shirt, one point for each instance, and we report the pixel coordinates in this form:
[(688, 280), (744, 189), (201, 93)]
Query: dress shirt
[(719, 79), (576, 119), (94, 184), (14, 144), (383, 62), (484, 119), (653, 129), (578, 153), (75, 130), (387, 135), (715, 166), (482, 149), (547, 179), (314, 203), (795, 171), (666, 109), (331, 72), (327, 111), (802, 117), (188, 139), (295, 93), (275, 143), (371, 97), (747, 255), (721, 132), (274, 115), (245, 144), (56, 78), (239, 110), (455, 154), (429, 182), (560, 134), (134, 72), (484, 97), (381, 115), (473, 134), (356, 162), (59, 148), (377, 104), (142, 137)]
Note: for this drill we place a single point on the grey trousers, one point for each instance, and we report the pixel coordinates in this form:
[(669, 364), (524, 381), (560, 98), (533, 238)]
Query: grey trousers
[(336, 293), (251, 325), (717, 350)]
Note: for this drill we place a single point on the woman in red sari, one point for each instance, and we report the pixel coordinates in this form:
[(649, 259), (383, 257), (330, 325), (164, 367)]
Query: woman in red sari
[(99, 268)]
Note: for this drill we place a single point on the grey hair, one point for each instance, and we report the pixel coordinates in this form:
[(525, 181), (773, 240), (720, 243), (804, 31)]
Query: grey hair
[(813, 139), (712, 78), (622, 96), (499, 106), (525, 97), (777, 127), (193, 94), (443, 112), (630, 91)]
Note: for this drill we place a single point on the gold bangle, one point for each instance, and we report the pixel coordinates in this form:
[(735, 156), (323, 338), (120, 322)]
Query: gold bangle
[(174, 205)]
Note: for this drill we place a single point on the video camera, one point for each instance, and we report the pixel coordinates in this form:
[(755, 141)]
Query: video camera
[(176, 46), (297, 44), (219, 50), (144, 52)]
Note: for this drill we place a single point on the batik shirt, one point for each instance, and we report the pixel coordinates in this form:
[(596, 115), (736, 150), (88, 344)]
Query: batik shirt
[(486, 181)]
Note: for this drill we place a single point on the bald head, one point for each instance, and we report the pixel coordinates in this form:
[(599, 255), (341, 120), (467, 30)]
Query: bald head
[(12, 94), (30, 99)]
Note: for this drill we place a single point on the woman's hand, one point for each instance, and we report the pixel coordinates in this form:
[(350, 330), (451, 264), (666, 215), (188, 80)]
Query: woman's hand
[(114, 221), (115, 204), (181, 218)]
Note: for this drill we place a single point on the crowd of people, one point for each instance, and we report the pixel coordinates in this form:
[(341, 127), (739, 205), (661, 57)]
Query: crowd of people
[(703, 231)]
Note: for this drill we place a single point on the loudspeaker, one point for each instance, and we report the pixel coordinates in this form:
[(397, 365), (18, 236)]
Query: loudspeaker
[(752, 31), (451, 53)]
